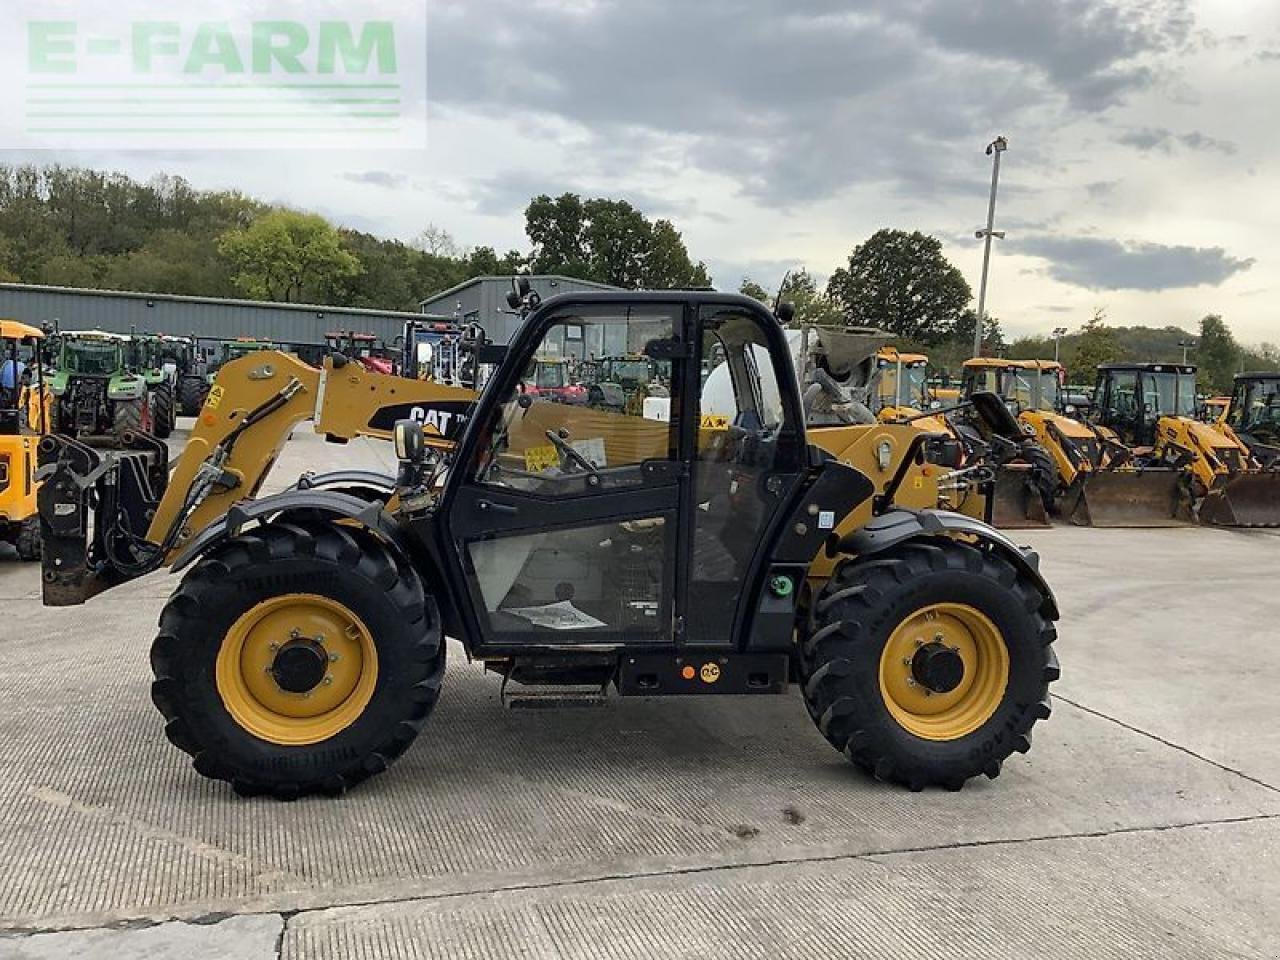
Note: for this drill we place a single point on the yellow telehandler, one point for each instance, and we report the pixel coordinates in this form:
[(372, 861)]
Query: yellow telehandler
[(705, 553)]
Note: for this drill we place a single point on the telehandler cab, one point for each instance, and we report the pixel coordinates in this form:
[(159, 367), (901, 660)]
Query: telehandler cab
[(564, 547)]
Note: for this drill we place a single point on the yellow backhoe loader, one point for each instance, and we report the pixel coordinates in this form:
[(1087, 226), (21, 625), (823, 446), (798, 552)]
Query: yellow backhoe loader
[(1254, 416), (1204, 471), (24, 412), (707, 553)]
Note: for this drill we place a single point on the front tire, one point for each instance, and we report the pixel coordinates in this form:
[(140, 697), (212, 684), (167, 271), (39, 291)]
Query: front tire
[(929, 663), (129, 416), (240, 634)]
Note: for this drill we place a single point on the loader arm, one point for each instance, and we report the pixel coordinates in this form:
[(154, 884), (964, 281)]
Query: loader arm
[(107, 517), (256, 402)]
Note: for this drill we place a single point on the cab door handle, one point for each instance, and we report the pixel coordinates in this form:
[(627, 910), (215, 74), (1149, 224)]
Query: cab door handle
[(488, 506)]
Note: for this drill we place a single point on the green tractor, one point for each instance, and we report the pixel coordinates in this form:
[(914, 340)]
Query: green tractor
[(157, 359), (96, 392)]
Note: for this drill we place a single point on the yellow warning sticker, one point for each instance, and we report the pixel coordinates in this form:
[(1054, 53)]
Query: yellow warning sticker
[(715, 421), (918, 483), (215, 397), (537, 459), (710, 672)]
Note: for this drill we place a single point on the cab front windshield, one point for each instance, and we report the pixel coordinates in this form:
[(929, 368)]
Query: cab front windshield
[(915, 385), (628, 371), (91, 358), (1256, 408), (549, 376), (1168, 394)]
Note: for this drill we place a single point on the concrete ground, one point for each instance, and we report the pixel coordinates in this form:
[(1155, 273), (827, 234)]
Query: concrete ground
[(1145, 822)]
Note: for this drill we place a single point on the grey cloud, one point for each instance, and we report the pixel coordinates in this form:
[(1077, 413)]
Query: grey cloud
[(378, 178), (1099, 263), (1158, 138), (799, 99)]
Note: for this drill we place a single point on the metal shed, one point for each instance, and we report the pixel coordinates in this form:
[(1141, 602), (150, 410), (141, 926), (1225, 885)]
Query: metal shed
[(294, 324), (483, 300)]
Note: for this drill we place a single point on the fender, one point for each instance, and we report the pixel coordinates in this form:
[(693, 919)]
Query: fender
[(352, 482), (898, 526), (340, 506)]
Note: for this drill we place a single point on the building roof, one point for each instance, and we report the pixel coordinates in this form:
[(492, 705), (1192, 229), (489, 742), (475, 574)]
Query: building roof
[(210, 301), (506, 278)]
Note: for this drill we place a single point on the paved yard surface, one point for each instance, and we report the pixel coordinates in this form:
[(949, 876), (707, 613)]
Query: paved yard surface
[(1146, 821)]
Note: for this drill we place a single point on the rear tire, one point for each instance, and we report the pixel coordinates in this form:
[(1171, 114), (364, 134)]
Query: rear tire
[(191, 395), (851, 663), (129, 416), (344, 568), (162, 414), (28, 540)]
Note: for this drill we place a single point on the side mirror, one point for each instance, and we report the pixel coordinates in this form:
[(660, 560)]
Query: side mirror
[(410, 443), (513, 299), (523, 285)]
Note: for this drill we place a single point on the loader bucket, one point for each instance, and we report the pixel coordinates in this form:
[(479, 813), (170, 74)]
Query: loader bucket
[(1015, 503), (1243, 500), (1128, 498)]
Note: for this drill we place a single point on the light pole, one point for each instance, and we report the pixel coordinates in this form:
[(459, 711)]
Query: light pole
[(1058, 334), (996, 147), (1185, 345)]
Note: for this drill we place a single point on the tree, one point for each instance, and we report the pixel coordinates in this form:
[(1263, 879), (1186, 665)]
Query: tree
[(608, 241), (436, 241), (285, 254), (812, 305), (1095, 344), (901, 281), (617, 239), (1217, 355), (666, 262), (557, 228), (752, 289), (993, 344)]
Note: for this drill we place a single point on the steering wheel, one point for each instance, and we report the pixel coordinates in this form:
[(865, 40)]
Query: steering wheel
[(568, 455)]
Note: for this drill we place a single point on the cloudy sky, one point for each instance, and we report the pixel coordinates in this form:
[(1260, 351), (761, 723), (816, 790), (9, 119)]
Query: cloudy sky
[(1141, 175)]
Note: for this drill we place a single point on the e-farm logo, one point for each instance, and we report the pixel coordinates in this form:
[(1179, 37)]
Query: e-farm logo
[(229, 80)]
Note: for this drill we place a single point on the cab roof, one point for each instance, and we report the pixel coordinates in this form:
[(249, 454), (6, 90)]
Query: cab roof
[(1150, 367), (894, 354), (1003, 364), (13, 330), (1259, 375)]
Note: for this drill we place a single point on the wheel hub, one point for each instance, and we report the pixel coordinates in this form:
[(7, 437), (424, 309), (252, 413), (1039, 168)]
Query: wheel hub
[(937, 667), (300, 665)]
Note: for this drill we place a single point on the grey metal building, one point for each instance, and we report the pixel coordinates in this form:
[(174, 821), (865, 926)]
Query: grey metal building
[(483, 300), (207, 318)]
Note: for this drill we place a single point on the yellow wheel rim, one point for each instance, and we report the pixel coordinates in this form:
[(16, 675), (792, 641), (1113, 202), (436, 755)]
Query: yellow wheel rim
[(950, 715), (337, 651)]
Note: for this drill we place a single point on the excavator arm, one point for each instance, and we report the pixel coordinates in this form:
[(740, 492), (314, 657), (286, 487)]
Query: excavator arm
[(94, 503)]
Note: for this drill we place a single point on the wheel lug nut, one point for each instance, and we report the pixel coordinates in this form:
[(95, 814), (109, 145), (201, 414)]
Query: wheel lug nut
[(294, 634), (328, 681), (274, 646), (937, 637), (333, 658), (319, 638)]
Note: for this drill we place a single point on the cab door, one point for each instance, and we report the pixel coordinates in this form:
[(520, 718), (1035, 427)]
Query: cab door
[(564, 515)]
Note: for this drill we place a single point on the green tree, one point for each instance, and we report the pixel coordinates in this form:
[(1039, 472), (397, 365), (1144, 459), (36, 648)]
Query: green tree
[(1095, 344), (1217, 355), (752, 289), (667, 265), (993, 344), (557, 228), (901, 282), (608, 241), (287, 255), (812, 305)]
